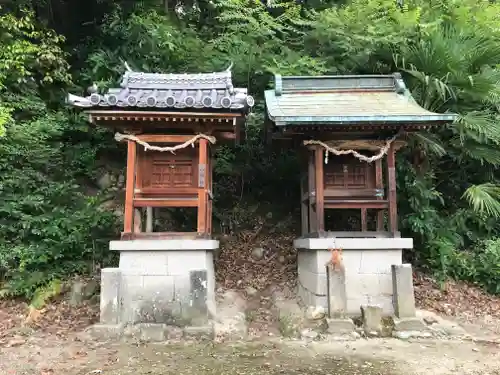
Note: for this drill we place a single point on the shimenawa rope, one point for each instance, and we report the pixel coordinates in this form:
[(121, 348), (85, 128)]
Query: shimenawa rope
[(382, 152), (120, 137)]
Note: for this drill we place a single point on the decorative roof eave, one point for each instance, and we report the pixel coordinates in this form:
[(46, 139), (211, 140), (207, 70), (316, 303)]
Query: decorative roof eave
[(154, 91), (149, 116), (318, 84), (361, 120)]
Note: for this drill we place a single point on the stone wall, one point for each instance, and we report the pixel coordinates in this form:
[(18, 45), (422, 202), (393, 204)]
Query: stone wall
[(367, 280), (174, 287)]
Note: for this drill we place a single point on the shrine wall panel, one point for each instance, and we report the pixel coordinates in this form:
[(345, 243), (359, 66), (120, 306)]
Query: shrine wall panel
[(164, 170)]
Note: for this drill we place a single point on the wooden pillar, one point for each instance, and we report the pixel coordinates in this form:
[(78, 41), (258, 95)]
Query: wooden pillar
[(202, 186), (130, 187), (311, 177), (149, 219), (379, 184), (210, 199), (304, 206), (320, 189), (364, 220), (391, 182)]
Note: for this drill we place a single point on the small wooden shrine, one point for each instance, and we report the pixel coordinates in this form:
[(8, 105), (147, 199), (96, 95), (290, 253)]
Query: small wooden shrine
[(169, 122), (347, 125)]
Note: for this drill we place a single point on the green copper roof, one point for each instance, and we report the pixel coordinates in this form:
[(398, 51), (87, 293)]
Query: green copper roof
[(332, 100)]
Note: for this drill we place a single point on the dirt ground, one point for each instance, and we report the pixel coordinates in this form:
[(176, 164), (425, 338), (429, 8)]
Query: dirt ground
[(77, 355), (55, 342)]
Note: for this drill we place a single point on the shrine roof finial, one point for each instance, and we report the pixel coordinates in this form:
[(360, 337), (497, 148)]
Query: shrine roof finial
[(346, 99), (157, 90)]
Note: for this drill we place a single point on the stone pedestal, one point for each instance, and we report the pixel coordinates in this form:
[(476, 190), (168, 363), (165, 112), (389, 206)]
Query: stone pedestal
[(368, 275), (165, 282)]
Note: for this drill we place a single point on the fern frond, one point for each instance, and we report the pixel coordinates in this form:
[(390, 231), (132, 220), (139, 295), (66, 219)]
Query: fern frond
[(484, 199)]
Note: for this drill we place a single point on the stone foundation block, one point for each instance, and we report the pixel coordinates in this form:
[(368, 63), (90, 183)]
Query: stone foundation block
[(110, 296), (368, 277), (160, 282), (199, 333), (340, 326), (410, 324), (372, 319), (106, 331), (404, 297), (152, 332)]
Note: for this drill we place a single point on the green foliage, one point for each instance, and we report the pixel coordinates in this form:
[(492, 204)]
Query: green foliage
[(48, 227), (481, 266), (448, 51)]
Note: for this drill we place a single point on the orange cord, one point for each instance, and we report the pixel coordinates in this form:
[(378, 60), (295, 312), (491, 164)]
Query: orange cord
[(336, 259)]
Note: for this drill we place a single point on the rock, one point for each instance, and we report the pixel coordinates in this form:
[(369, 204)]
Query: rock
[(16, 341), (199, 333), (173, 333), (90, 288), (121, 181), (430, 320), (448, 328), (105, 181), (409, 324), (341, 326), (372, 319), (281, 259), (106, 331), (251, 291), (81, 290), (309, 334), (315, 313), (77, 293), (152, 332), (258, 253), (405, 335)]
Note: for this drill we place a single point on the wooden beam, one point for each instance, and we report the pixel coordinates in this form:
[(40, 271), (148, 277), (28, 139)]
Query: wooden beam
[(304, 205), (168, 192), (202, 185), (391, 182), (194, 115), (163, 138), (353, 204), (379, 184), (311, 177), (130, 187), (162, 236), (159, 202), (320, 188), (174, 138), (210, 189)]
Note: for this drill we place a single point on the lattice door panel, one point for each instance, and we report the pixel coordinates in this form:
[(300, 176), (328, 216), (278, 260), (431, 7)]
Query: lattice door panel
[(172, 173), (165, 170), (346, 172)]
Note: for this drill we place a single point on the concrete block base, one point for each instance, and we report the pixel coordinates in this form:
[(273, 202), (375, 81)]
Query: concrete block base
[(410, 324), (149, 332), (367, 278), (340, 326), (160, 283), (106, 331)]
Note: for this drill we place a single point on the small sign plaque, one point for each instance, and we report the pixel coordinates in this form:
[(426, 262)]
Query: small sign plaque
[(201, 175)]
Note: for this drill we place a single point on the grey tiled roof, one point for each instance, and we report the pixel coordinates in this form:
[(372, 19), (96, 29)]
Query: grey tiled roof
[(170, 91), (341, 100)]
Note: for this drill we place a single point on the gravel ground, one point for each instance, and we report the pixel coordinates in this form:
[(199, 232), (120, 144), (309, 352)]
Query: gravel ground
[(42, 355)]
